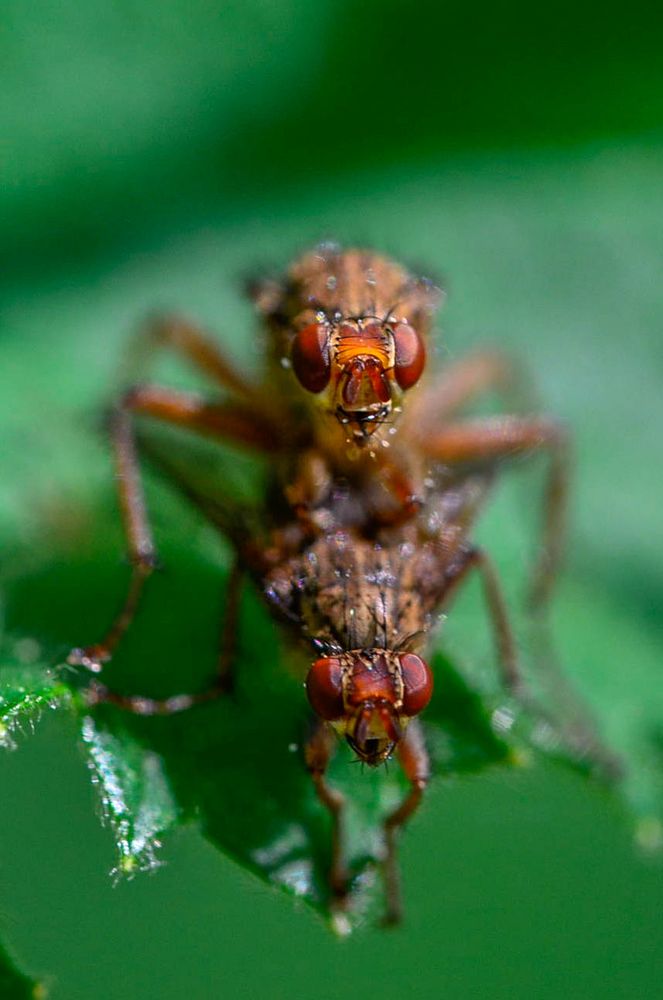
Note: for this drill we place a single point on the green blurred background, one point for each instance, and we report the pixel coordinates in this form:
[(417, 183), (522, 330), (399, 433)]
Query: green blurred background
[(152, 155)]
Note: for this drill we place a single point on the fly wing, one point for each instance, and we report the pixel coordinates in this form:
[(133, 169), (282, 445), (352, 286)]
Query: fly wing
[(454, 503), (197, 474), (433, 553), (347, 591)]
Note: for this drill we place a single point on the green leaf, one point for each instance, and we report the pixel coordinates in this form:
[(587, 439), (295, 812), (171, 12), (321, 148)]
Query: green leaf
[(26, 691), (137, 800), (235, 768)]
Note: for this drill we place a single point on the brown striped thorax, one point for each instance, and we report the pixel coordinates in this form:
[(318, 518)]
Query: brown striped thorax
[(351, 325)]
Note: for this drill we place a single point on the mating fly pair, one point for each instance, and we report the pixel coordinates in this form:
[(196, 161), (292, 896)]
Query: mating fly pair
[(364, 531)]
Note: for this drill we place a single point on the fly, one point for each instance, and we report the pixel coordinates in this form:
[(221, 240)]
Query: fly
[(364, 534)]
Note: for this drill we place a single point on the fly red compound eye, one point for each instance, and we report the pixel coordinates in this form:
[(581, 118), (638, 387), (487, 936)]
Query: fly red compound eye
[(310, 357), (410, 355), (325, 688), (417, 683)]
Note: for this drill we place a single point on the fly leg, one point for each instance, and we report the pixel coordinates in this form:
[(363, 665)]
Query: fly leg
[(318, 753), (579, 736), (454, 388), (307, 491), (98, 693), (225, 676), (189, 341), (416, 765), (320, 502), (393, 494), (461, 382), (218, 420), (494, 439), (505, 643)]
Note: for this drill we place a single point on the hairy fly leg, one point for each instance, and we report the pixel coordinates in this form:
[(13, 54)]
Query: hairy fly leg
[(463, 381), (319, 750), (579, 738), (222, 421), (415, 762), (223, 683), (185, 338), (474, 443)]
